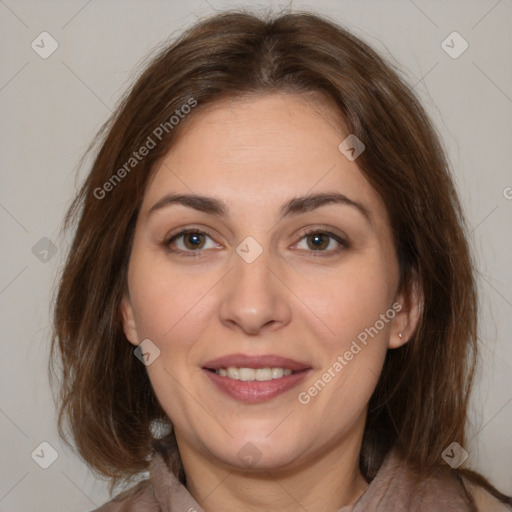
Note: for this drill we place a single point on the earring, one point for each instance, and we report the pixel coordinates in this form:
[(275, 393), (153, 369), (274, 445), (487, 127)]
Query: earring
[(400, 335)]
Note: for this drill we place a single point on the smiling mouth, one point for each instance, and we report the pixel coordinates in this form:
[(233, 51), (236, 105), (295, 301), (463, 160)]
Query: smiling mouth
[(255, 378), (255, 385)]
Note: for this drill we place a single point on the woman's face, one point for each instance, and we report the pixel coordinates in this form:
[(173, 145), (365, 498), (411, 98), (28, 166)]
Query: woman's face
[(266, 272)]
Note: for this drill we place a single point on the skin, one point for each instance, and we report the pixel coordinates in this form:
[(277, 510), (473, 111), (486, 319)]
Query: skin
[(256, 154)]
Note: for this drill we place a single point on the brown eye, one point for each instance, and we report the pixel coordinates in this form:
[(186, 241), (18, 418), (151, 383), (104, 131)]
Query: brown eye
[(323, 243), (189, 242), (318, 241), (193, 240)]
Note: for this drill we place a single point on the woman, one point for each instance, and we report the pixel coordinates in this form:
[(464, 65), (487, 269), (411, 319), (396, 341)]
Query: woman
[(270, 258)]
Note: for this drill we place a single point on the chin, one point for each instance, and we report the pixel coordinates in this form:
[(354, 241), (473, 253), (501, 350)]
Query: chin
[(257, 451)]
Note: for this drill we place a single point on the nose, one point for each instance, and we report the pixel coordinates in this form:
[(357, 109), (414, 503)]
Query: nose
[(255, 296)]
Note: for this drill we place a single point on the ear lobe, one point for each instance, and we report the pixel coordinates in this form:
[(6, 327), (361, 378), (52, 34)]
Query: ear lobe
[(129, 324), (407, 319)]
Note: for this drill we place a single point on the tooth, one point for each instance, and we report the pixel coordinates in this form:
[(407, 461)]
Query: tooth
[(264, 374), (277, 373), (250, 374), (232, 372), (246, 374)]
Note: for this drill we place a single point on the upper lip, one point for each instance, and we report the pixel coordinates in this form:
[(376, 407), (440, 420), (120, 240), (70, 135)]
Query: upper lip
[(262, 361)]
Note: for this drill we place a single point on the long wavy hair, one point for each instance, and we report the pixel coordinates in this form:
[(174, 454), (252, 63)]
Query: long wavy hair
[(419, 406)]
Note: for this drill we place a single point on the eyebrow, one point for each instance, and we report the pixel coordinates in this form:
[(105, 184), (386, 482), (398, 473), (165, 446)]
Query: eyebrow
[(294, 206)]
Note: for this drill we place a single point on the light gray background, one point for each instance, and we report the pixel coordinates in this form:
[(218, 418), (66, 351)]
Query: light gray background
[(51, 108)]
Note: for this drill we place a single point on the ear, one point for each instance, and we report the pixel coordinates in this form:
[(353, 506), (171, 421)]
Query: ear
[(129, 324), (408, 306)]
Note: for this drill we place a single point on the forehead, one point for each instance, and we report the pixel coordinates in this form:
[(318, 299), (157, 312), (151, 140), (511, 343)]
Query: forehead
[(273, 147)]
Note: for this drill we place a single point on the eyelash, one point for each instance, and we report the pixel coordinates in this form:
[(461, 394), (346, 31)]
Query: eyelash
[(313, 254)]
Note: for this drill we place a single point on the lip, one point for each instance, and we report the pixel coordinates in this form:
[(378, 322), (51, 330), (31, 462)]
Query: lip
[(256, 391), (246, 361)]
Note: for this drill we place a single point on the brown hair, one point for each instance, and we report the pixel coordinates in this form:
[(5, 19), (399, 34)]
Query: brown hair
[(420, 403)]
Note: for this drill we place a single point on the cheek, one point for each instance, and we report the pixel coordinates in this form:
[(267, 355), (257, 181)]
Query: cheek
[(167, 301), (357, 309), (353, 352), (171, 309), (349, 300)]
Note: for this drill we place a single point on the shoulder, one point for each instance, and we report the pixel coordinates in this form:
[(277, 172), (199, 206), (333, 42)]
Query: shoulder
[(484, 501), (465, 493), (139, 498), (441, 489)]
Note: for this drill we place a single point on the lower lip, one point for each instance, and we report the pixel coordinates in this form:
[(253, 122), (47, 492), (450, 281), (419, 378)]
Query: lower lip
[(255, 391)]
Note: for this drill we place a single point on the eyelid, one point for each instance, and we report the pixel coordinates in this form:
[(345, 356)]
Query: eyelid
[(327, 230), (190, 229)]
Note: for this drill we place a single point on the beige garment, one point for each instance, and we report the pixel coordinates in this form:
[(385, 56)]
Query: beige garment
[(393, 489)]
